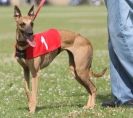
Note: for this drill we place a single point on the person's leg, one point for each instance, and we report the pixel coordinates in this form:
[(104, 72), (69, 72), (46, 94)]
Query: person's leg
[(122, 85), (120, 49)]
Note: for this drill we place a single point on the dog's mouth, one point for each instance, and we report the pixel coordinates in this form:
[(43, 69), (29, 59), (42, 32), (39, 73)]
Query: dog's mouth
[(31, 42), (30, 39)]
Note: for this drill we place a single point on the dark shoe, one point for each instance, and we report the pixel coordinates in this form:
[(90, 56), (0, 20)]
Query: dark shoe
[(128, 103), (111, 103)]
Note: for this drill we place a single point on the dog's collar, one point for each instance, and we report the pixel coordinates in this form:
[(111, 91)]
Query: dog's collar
[(21, 45), (20, 53)]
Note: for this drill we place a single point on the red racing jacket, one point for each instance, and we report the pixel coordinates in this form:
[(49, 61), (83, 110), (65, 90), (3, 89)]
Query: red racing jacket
[(45, 42)]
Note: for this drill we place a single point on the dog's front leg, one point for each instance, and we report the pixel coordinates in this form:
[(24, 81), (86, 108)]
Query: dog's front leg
[(26, 72), (27, 82), (34, 67), (33, 97)]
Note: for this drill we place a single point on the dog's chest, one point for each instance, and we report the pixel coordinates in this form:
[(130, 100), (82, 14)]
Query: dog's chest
[(45, 42)]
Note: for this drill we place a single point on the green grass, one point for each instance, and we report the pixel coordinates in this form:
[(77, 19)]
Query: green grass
[(60, 96)]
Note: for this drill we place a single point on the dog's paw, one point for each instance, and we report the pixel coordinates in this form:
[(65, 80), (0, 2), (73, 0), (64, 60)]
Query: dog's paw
[(32, 110), (32, 107), (88, 106)]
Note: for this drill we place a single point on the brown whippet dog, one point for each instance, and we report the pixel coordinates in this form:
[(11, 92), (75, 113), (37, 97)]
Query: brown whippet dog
[(80, 53)]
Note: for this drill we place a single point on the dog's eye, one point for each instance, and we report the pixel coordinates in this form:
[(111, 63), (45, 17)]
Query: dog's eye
[(22, 24)]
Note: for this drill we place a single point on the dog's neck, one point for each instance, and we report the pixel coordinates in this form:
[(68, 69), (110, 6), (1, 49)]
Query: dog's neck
[(20, 43)]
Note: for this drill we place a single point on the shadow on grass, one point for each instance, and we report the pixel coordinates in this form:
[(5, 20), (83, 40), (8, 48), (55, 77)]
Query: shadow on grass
[(53, 106), (23, 108), (57, 106), (101, 97)]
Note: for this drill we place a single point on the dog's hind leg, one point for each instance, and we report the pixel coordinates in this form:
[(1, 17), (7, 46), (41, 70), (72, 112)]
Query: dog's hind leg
[(80, 62), (83, 77)]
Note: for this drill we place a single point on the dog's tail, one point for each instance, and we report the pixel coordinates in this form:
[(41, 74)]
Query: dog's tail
[(93, 74)]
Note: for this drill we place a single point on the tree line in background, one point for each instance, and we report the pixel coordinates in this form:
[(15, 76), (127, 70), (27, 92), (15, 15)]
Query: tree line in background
[(53, 2)]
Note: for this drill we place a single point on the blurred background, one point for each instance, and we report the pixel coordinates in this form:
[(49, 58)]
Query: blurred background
[(52, 2)]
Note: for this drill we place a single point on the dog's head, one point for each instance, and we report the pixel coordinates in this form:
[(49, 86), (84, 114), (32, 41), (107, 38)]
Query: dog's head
[(24, 26)]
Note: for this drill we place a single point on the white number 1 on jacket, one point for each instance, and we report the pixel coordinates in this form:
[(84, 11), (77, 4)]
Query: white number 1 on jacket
[(44, 42)]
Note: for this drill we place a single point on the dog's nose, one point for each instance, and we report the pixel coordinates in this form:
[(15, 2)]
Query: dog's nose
[(29, 33)]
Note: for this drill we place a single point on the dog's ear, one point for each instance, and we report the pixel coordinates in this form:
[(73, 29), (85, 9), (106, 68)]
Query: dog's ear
[(17, 12), (31, 11)]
